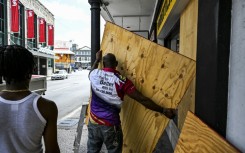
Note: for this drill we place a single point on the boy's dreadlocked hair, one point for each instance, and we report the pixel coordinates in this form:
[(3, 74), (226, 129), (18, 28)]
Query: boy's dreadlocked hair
[(16, 63)]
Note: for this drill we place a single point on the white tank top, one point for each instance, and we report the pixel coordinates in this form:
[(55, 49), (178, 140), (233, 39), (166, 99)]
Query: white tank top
[(21, 125)]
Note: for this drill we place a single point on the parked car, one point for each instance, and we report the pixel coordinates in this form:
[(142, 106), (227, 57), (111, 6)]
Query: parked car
[(60, 74)]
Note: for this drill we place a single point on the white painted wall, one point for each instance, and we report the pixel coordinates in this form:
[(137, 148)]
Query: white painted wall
[(236, 100)]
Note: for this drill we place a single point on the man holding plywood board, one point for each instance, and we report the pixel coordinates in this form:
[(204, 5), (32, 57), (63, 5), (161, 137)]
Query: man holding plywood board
[(108, 90), (158, 73)]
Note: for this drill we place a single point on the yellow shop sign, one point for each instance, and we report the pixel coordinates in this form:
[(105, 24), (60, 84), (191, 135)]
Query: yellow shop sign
[(167, 6)]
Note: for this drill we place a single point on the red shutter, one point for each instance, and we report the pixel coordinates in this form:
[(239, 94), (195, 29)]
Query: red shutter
[(14, 16), (42, 31), (51, 35), (30, 24)]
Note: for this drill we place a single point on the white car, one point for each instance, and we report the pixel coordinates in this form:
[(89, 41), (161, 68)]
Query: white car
[(60, 74)]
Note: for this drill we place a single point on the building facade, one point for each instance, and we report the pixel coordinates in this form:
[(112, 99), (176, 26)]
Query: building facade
[(211, 32), (82, 57), (30, 24), (64, 59)]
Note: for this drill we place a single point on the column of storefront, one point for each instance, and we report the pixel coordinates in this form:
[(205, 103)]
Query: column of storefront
[(95, 28), (213, 50)]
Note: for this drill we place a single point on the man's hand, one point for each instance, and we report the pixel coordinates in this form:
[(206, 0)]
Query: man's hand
[(169, 112), (99, 55), (96, 62)]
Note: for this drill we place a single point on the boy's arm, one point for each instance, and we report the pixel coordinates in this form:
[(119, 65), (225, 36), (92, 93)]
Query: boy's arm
[(50, 112)]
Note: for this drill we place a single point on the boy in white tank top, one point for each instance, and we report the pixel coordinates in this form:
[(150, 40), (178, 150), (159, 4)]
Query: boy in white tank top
[(25, 117)]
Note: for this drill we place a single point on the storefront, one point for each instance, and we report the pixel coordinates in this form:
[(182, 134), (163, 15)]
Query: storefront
[(64, 60), (200, 30), (29, 24)]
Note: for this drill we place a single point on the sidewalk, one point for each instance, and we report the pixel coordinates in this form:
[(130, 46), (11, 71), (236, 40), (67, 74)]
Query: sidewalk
[(67, 130), (67, 133)]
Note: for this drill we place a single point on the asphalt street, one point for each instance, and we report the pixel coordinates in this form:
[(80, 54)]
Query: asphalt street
[(69, 94)]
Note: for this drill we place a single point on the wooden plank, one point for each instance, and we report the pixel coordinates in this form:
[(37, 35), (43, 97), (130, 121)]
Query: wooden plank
[(188, 47), (80, 129), (188, 30), (196, 136), (187, 104), (158, 73)]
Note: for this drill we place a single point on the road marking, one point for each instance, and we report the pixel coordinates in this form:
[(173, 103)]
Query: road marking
[(71, 114)]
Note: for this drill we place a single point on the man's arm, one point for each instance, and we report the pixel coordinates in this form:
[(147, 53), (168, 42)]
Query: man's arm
[(96, 62), (50, 112), (148, 103)]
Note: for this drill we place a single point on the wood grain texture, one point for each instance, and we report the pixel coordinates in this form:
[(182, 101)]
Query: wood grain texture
[(188, 30), (197, 137), (187, 104), (188, 47), (158, 73)]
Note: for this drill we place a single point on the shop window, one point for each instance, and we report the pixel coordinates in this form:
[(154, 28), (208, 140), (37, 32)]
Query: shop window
[(172, 40), (49, 62), (35, 31), (44, 44)]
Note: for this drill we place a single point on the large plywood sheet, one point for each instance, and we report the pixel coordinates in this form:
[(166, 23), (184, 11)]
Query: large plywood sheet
[(188, 30), (197, 137), (158, 73), (188, 47)]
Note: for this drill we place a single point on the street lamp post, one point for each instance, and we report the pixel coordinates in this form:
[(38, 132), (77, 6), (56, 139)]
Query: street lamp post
[(95, 27)]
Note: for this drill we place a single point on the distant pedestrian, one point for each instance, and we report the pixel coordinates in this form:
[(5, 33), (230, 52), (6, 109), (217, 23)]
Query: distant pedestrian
[(25, 117), (108, 90)]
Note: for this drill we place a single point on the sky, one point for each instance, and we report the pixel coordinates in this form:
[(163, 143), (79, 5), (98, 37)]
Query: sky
[(72, 20)]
